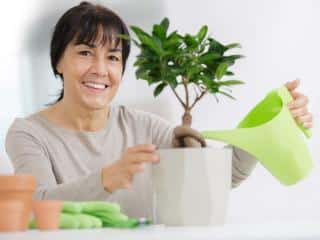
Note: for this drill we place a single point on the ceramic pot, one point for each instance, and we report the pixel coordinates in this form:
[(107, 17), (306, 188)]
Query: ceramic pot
[(191, 186)]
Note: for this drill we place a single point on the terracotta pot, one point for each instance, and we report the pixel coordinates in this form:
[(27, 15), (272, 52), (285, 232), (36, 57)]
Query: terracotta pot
[(47, 214), (18, 187), (12, 215)]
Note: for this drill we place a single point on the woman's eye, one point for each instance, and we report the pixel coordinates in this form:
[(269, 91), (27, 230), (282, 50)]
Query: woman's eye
[(114, 58), (85, 53)]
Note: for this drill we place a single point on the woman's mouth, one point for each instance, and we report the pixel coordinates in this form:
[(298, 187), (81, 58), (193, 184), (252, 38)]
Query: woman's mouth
[(95, 87)]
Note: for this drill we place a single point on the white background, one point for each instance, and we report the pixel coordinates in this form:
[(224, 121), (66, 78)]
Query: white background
[(280, 39)]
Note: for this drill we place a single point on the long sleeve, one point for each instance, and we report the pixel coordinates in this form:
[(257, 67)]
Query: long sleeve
[(242, 165), (29, 156)]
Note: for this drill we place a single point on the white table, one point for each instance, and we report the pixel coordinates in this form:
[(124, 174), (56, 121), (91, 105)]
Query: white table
[(305, 231)]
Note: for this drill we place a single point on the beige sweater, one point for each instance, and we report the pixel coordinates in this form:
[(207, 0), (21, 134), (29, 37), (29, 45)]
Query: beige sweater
[(67, 164)]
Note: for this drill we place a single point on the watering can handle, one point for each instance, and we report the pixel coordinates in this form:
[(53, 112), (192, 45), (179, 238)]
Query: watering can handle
[(286, 98)]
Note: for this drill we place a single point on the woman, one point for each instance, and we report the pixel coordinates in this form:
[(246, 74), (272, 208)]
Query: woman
[(84, 148)]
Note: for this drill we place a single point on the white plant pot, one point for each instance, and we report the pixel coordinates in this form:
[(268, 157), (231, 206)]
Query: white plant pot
[(191, 186)]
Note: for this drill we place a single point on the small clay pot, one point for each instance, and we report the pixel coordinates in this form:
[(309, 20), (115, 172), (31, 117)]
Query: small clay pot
[(47, 214), (12, 215), (19, 187)]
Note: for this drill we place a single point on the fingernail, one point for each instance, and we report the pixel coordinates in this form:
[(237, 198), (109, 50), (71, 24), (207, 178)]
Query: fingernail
[(153, 147), (156, 159)]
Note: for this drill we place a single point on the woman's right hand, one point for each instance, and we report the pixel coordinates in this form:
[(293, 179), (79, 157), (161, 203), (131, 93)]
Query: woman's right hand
[(120, 174)]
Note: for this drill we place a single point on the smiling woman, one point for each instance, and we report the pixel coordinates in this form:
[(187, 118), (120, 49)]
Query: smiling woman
[(88, 56), (81, 147)]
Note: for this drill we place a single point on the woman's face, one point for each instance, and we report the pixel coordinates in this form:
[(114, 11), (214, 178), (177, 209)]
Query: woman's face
[(91, 74)]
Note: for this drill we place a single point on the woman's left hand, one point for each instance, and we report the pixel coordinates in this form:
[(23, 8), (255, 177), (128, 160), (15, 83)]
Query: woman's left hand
[(299, 105)]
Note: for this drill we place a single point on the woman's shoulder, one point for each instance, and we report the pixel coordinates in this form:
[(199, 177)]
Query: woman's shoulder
[(30, 125), (142, 121), (137, 115)]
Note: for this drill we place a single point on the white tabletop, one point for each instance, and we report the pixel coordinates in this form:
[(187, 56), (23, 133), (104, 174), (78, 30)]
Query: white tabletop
[(305, 231)]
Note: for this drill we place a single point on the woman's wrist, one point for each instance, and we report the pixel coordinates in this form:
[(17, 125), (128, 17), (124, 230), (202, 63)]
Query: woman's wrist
[(105, 180)]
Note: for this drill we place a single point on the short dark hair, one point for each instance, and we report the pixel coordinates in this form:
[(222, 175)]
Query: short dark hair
[(81, 23)]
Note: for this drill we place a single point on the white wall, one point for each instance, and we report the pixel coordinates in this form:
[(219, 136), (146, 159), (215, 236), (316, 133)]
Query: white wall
[(280, 39)]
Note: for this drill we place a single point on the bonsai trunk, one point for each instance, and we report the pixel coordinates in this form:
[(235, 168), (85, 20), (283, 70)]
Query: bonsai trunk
[(187, 118)]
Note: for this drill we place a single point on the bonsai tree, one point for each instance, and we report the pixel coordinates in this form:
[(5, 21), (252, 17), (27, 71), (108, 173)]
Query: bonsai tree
[(195, 63)]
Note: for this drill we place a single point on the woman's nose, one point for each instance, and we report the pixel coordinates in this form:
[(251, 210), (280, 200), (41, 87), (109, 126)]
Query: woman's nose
[(100, 66)]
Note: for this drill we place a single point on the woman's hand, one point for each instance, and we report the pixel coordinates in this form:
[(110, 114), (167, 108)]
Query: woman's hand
[(299, 105), (120, 174), (184, 136)]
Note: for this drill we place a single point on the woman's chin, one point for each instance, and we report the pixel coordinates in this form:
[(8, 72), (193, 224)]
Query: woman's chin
[(96, 105)]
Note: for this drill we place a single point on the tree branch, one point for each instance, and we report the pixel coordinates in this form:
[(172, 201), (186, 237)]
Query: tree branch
[(198, 98), (185, 85), (180, 100)]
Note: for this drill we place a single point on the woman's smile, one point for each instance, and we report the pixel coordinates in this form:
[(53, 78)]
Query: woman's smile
[(95, 87)]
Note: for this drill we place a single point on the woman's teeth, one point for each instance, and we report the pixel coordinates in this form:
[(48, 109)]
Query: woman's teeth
[(95, 85)]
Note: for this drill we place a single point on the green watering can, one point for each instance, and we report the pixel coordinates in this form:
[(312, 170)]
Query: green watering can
[(270, 133)]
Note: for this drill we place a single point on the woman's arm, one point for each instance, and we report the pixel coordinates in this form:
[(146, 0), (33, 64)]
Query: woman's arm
[(243, 164), (29, 156)]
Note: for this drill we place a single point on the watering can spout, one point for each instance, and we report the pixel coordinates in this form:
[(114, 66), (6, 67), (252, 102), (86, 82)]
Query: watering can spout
[(232, 137), (270, 133)]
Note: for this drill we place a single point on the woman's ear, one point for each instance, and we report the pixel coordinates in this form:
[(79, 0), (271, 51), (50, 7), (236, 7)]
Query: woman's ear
[(59, 68)]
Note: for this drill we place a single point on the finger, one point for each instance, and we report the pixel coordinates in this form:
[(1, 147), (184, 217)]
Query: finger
[(191, 142), (142, 148), (185, 131), (126, 181), (296, 95), (143, 157), (308, 124), (127, 185), (292, 85), (176, 143), (305, 119), (136, 168), (300, 102), (299, 112)]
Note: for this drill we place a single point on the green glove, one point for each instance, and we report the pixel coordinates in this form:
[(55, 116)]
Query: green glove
[(69, 221), (71, 207), (99, 206), (88, 221), (94, 214)]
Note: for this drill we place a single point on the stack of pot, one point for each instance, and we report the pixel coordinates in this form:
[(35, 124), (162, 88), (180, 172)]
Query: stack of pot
[(16, 201)]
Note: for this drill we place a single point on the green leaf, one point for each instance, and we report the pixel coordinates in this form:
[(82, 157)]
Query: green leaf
[(165, 24), (230, 82), (142, 73), (228, 73), (159, 31), (174, 40), (232, 45), (146, 39), (127, 37), (232, 58), (202, 33), (227, 94), (216, 46), (208, 57), (190, 40), (139, 32), (124, 36), (221, 70), (159, 89)]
